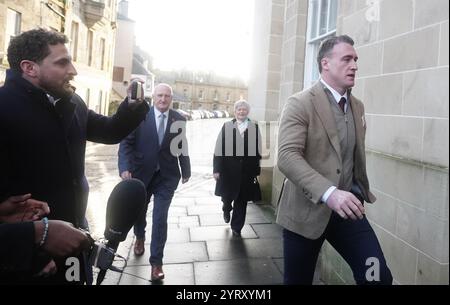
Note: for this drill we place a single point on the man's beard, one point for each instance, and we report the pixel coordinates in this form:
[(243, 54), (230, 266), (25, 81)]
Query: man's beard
[(64, 91)]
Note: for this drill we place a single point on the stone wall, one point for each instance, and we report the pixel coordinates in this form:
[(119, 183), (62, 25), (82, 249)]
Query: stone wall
[(403, 82)]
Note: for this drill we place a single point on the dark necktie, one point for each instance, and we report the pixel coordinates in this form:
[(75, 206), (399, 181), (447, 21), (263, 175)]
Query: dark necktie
[(342, 104)]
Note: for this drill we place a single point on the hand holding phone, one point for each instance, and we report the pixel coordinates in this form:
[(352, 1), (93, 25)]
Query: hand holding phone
[(135, 92)]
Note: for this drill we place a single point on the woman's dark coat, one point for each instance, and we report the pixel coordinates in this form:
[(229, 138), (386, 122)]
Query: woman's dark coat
[(237, 160)]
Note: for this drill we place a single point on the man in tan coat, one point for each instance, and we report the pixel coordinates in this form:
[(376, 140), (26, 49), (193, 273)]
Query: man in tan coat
[(322, 154)]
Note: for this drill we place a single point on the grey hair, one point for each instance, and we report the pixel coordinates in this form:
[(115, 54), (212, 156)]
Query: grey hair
[(163, 85), (241, 103)]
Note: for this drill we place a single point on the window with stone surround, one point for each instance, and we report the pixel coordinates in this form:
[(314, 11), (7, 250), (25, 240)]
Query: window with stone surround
[(321, 24), (98, 106), (90, 46), (102, 54), (13, 25), (118, 74), (74, 40), (216, 96)]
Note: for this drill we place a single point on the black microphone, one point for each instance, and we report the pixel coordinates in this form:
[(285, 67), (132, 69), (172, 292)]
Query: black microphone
[(125, 204)]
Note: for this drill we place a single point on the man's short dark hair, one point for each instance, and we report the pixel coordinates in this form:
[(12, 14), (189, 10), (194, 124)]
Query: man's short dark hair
[(32, 45), (328, 44)]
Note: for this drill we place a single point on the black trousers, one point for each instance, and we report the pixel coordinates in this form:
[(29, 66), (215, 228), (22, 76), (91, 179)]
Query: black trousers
[(239, 207), (355, 240)]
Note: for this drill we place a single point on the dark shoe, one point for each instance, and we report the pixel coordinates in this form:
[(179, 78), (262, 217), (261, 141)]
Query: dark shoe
[(236, 233), (139, 248), (226, 216), (157, 273)]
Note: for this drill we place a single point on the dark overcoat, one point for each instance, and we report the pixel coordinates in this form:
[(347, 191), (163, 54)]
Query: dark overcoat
[(237, 160), (42, 146)]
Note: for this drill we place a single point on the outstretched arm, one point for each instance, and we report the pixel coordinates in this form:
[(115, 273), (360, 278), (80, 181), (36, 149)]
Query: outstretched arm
[(111, 130)]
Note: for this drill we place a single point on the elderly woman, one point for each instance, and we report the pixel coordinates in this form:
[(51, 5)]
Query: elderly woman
[(236, 165)]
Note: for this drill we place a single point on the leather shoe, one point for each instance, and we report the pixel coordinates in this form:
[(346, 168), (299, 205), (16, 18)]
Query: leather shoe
[(157, 273), (139, 248), (226, 216)]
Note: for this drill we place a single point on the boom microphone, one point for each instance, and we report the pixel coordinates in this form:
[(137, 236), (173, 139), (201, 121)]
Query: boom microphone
[(125, 204)]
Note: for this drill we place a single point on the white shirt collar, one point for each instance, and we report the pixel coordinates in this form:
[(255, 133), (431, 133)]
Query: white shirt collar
[(52, 100), (242, 126), (158, 113), (337, 96)]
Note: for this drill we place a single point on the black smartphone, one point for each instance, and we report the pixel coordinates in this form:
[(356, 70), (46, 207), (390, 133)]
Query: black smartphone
[(136, 90)]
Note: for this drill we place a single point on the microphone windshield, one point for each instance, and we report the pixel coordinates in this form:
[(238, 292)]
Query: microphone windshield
[(125, 204)]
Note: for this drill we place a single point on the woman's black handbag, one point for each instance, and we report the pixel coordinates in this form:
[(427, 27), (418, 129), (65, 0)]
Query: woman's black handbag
[(256, 194)]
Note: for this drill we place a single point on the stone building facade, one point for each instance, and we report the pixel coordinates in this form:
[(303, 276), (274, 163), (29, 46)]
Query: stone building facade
[(403, 76), (206, 91)]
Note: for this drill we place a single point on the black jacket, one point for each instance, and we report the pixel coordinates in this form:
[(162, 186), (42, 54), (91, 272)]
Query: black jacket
[(237, 160), (42, 147), (140, 151), (16, 249)]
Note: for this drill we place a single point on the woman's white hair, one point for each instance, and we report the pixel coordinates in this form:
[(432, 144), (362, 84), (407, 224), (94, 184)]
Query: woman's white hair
[(241, 103)]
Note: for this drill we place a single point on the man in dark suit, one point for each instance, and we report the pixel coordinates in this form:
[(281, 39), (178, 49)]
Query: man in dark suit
[(322, 154), (151, 154), (44, 128)]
